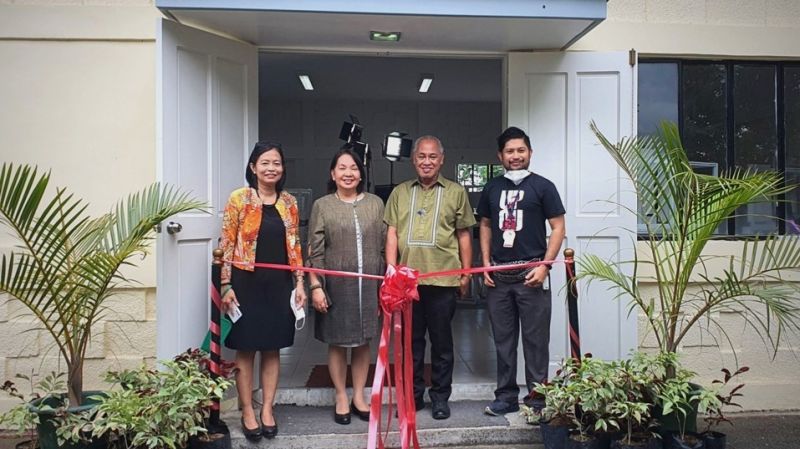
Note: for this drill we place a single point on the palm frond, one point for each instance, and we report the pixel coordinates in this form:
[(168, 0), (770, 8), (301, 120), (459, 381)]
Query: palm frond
[(682, 211), (67, 263)]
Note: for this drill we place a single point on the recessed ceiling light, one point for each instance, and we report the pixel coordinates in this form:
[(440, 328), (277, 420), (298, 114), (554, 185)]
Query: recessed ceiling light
[(384, 36), (425, 83), (306, 81)]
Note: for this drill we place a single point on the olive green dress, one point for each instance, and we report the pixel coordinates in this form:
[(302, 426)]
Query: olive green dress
[(348, 237)]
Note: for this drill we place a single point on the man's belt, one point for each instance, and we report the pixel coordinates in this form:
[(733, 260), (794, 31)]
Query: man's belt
[(512, 276)]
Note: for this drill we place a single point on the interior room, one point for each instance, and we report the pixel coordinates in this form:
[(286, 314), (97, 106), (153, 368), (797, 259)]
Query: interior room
[(304, 99)]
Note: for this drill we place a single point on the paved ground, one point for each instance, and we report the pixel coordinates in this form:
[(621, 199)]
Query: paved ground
[(750, 431)]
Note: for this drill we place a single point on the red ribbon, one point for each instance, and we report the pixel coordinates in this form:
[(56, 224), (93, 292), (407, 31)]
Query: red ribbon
[(398, 290)]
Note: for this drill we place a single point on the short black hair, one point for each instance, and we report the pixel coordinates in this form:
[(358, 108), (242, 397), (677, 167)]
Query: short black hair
[(347, 149), (259, 149), (509, 134)]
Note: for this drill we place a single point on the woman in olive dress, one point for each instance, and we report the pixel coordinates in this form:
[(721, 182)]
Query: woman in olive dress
[(346, 233)]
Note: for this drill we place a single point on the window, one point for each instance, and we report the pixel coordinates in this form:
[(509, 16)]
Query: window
[(731, 114), (474, 176)]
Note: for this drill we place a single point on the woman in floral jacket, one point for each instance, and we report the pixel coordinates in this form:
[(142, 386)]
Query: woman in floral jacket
[(261, 224)]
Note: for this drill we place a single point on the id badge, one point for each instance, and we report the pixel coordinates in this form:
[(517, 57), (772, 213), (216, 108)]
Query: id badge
[(508, 238)]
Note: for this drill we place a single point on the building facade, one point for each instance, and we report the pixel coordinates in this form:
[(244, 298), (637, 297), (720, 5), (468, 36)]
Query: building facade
[(83, 93)]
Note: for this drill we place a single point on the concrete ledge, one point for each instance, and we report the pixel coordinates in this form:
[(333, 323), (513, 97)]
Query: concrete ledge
[(313, 428), (326, 396)]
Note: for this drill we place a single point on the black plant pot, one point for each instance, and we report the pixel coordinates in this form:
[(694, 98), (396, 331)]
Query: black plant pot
[(578, 442), (677, 420), (604, 439), (46, 429), (690, 441), (715, 440), (218, 437), (553, 436), (650, 443)]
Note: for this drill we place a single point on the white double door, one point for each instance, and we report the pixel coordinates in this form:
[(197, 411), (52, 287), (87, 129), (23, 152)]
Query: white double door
[(208, 120)]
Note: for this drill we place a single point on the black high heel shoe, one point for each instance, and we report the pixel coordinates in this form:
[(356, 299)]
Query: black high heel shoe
[(269, 432), (343, 419), (251, 434), (364, 416)]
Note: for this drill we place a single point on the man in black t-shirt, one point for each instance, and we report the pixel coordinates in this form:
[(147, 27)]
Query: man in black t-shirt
[(513, 210)]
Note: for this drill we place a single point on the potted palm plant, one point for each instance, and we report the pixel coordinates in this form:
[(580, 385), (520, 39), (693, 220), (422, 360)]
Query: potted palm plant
[(681, 211), (66, 264)]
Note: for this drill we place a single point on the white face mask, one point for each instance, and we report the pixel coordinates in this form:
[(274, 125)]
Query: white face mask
[(516, 176)]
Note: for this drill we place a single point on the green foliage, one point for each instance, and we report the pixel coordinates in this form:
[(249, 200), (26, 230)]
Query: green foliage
[(726, 397), (153, 409), (606, 396), (66, 263), (20, 418), (681, 211)]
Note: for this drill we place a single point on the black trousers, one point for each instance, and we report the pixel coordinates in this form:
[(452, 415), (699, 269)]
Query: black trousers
[(433, 314), (509, 305)]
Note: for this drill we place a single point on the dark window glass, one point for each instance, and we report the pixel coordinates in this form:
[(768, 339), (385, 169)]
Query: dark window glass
[(658, 95), (791, 95), (755, 136), (704, 113)]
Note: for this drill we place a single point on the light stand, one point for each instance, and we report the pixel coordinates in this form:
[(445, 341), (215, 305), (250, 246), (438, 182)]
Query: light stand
[(351, 133)]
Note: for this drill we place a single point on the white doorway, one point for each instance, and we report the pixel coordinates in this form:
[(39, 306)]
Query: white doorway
[(208, 106)]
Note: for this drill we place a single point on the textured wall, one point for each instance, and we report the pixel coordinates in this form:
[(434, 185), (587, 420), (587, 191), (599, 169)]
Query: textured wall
[(735, 28)]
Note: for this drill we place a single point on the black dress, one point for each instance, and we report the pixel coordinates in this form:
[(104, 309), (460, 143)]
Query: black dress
[(267, 321)]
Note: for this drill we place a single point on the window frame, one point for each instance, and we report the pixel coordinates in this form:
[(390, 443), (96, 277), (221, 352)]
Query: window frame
[(780, 118)]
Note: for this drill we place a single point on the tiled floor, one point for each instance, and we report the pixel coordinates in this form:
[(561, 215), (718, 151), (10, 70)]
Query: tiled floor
[(472, 337)]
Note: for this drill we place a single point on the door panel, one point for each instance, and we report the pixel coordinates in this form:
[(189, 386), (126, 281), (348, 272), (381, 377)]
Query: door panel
[(554, 97), (207, 90)]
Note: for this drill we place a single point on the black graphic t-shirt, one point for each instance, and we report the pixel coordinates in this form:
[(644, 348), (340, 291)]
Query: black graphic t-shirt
[(518, 214)]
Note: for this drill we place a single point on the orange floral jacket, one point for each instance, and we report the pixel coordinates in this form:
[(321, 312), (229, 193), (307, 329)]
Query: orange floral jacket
[(241, 222)]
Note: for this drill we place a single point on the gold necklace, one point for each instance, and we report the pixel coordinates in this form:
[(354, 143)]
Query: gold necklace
[(262, 197), (336, 194)]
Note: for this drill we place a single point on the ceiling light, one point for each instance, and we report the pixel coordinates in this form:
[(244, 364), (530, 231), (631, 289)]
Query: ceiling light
[(306, 81), (425, 83), (384, 36)]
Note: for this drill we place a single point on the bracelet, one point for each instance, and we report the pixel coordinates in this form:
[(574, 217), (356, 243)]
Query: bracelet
[(313, 287)]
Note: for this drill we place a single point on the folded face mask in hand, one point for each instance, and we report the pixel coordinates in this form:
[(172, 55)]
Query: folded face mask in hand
[(299, 312)]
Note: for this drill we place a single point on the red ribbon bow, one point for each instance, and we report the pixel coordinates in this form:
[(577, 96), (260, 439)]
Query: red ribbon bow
[(398, 290)]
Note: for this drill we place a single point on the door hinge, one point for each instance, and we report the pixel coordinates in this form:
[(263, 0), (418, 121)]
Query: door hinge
[(632, 57)]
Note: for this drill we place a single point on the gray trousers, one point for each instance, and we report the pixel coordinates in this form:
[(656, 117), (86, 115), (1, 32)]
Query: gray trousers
[(509, 305)]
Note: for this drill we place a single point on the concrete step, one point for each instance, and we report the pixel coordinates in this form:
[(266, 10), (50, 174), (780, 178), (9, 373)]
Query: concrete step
[(327, 396), (312, 427)]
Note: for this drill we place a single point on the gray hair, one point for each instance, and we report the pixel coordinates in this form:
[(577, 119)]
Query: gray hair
[(428, 137)]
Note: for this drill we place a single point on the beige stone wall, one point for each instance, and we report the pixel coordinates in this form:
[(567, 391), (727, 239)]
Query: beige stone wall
[(77, 88), (755, 29), (772, 382)]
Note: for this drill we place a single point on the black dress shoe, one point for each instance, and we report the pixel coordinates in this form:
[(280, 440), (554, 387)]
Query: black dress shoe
[(269, 432), (343, 419), (364, 416), (440, 410), (251, 434)]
